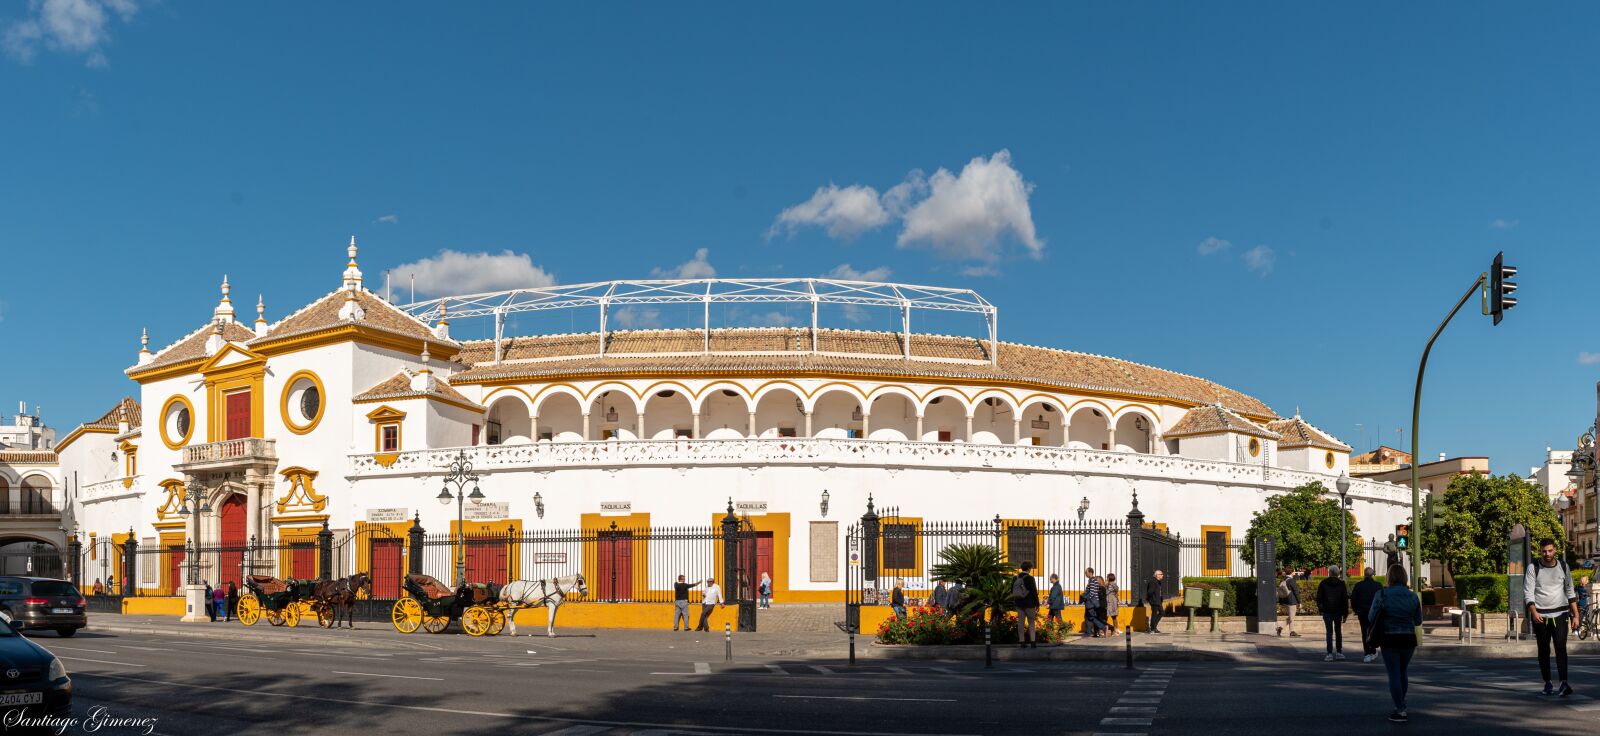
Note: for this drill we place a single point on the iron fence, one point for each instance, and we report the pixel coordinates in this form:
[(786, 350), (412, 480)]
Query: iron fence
[(1215, 557)]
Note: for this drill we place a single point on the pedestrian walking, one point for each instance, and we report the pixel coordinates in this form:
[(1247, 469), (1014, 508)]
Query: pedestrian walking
[(1582, 590), (1396, 613), (1553, 609), (211, 610), (897, 599), (1113, 602), (1289, 596), (939, 599), (99, 587), (765, 590), (1333, 600), (680, 602), (1092, 592), (1057, 598), (1155, 594), (1025, 595), (709, 600), (1361, 597), (219, 604), (233, 600)]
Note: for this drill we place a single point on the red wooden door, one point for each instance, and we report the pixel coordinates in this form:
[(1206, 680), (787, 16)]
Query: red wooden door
[(303, 563), (232, 541), (238, 424), (756, 559), (764, 556), (175, 576), (616, 566), (486, 560), (388, 560)]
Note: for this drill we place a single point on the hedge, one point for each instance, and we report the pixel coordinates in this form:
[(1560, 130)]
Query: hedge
[(1490, 590), (1239, 594)]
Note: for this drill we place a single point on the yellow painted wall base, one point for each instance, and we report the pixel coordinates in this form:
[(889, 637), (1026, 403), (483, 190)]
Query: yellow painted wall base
[(621, 616), (873, 616), (163, 606)]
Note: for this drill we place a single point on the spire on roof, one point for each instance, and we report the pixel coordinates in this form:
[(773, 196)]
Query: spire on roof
[(261, 315), (352, 310), (423, 380), (224, 310), (442, 329), (145, 356), (216, 341), (352, 274)]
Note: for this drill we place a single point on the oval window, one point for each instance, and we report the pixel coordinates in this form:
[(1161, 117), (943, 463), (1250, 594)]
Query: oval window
[(310, 403), (302, 402), (1328, 460), (1255, 447), (181, 421)]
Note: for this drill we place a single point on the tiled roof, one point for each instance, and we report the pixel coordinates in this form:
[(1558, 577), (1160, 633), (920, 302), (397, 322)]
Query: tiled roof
[(324, 313), (777, 350), (399, 387), (193, 345), (28, 457), (1214, 419), (1297, 432), (109, 419)]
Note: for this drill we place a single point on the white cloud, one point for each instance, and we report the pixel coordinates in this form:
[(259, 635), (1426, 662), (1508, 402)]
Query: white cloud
[(964, 216), (1260, 259), (844, 272), (454, 272), (1589, 358), (771, 319), (68, 26), (695, 268), (980, 271), (1500, 223), (388, 219), (845, 212), (636, 318), (1213, 245)]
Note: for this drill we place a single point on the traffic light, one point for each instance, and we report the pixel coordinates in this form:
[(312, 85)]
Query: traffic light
[(1402, 536), (1435, 512), (1500, 287)]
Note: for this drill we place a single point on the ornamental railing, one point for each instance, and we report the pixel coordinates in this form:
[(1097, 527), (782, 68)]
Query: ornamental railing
[(857, 452), (247, 448), (108, 488)]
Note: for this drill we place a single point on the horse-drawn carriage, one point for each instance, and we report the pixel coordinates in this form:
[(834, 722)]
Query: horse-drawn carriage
[(282, 602), (432, 605)]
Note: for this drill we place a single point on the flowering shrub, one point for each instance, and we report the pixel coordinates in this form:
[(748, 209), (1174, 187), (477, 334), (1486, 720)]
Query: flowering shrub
[(927, 626)]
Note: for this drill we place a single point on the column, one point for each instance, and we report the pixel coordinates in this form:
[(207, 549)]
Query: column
[(252, 516), (751, 427), (866, 425), (969, 429), (695, 433), (638, 424), (586, 436), (1111, 435), (1016, 430), (808, 432), (918, 438), (1066, 430)]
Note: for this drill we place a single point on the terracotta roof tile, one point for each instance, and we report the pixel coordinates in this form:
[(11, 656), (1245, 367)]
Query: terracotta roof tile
[(1214, 419), (1297, 432), (29, 457), (109, 419), (398, 386), (193, 345), (324, 313)]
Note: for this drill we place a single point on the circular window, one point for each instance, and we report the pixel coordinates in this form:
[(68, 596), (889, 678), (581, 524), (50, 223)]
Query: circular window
[(302, 403), (177, 422), (1255, 447), (1328, 460)]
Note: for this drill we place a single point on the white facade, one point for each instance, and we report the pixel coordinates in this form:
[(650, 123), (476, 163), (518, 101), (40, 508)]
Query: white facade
[(665, 435), (27, 431)]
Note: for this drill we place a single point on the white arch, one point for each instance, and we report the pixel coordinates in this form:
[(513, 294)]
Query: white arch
[(832, 412), (617, 388), (563, 420), (776, 411), (545, 394), (880, 391), (848, 389), (1033, 408), (944, 392), (1085, 430), (716, 388)]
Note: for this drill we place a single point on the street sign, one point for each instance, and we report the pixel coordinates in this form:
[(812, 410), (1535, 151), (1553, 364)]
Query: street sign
[(855, 558)]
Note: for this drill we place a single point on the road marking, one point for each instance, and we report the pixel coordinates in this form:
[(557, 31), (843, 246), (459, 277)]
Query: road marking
[(898, 670), (776, 670), (81, 649), (822, 669), (1126, 721), (1133, 711), (576, 731), (1118, 733), (1138, 701), (858, 697), (702, 668), (465, 712), (100, 661), (398, 677)]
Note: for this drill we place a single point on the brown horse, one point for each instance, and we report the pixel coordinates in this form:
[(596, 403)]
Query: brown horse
[(340, 595)]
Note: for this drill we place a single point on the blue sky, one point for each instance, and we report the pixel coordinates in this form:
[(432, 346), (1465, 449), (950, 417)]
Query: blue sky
[(1362, 163)]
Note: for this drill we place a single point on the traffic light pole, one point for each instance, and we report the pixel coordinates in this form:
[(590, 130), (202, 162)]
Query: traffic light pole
[(1416, 417)]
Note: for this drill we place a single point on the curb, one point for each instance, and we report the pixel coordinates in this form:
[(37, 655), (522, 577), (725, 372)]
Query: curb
[(202, 633), (1047, 654)]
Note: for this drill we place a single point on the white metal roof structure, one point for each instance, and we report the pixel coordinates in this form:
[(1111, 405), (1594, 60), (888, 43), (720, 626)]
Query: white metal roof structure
[(814, 291)]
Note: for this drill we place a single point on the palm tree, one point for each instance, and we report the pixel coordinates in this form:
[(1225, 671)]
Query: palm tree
[(983, 571)]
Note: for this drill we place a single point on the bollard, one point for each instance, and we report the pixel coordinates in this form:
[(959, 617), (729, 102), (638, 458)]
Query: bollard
[(1214, 625), (727, 633), (1128, 631), (1190, 627), (852, 646), (988, 646)]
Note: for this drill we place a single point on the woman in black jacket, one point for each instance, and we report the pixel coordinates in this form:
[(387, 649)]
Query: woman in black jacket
[(1333, 600), (1025, 593)]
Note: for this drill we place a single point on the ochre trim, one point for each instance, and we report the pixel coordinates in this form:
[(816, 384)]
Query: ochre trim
[(322, 402), (299, 519), (162, 419), (385, 459), (173, 501), (357, 334), (81, 431), (167, 371), (1227, 558), (428, 397)]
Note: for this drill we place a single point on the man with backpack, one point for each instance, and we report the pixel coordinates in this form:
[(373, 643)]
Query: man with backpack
[(1333, 600), (1551, 598), (1289, 596), (1361, 599), (1025, 595)]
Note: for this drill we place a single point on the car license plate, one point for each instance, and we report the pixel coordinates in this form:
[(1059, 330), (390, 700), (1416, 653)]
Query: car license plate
[(21, 698), (61, 610)]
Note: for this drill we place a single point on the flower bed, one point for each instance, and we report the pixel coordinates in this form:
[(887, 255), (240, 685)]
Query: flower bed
[(925, 626)]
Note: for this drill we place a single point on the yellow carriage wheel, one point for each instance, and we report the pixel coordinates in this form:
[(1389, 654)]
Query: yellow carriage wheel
[(276, 618), (249, 609), (477, 621), (406, 615), (291, 614), (499, 624), (436, 624)]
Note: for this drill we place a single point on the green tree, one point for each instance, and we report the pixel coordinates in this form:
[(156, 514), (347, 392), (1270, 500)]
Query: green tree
[(983, 571), (1304, 526), (1475, 525)]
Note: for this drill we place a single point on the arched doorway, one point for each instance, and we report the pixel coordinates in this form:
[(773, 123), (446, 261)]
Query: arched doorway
[(30, 557)]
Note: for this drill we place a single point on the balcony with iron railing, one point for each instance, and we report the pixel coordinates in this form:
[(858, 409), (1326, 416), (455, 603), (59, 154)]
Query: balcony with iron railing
[(226, 454), (803, 451)]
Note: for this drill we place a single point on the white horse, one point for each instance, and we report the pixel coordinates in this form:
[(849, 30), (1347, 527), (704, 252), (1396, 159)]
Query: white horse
[(540, 593)]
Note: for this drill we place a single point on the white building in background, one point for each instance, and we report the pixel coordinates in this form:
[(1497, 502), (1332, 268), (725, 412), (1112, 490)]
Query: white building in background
[(1552, 475), (347, 410), (27, 432)]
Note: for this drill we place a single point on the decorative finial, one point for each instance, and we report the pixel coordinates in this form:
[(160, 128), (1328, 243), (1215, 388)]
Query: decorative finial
[(144, 340), (352, 274), (442, 329), (261, 308), (352, 250), (224, 310), (225, 287)]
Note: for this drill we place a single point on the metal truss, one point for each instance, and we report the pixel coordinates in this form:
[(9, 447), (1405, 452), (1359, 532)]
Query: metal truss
[(813, 291)]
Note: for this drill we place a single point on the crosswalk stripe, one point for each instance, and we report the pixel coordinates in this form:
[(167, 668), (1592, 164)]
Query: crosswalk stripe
[(777, 670), (702, 668), (575, 731), (1126, 721)]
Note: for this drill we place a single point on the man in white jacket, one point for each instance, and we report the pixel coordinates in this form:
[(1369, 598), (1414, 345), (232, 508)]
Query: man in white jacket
[(713, 598), (1553, 609)]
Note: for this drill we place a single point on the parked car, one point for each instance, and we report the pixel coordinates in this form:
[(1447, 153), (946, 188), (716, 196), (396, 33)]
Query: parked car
[(31, 677), (42, 603)]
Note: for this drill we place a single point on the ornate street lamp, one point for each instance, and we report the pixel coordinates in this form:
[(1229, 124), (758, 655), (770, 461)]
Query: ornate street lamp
[(194, 495), (1343, 484), (1083, 507), (824, 503), (538, 504), (460, 474)]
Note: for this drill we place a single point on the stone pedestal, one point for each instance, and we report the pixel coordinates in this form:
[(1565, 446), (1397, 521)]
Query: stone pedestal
[(194, 608)]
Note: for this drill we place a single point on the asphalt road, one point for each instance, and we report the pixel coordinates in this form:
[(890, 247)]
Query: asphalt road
[(661, 683)]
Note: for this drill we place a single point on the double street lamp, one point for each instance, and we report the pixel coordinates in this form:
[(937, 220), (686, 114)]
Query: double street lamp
[(460, 474), (194, 495)]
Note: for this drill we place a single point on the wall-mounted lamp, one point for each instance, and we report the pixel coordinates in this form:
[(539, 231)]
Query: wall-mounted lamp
[(538, 504), (1083, 507), (824, 503)]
